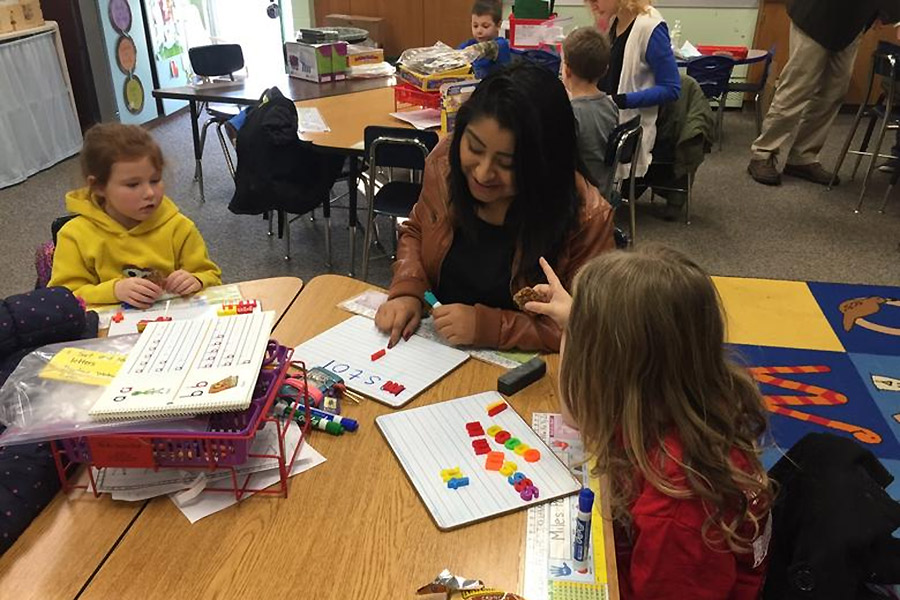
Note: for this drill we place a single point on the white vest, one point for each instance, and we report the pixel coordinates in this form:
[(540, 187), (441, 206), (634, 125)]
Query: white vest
[(637, 75)]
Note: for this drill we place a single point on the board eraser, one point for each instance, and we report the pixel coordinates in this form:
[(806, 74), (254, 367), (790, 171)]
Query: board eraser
[(521, 377)]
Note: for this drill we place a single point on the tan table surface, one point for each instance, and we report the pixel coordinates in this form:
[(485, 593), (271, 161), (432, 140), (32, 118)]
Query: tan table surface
[(56, 556), (350, 528), (348, 116)]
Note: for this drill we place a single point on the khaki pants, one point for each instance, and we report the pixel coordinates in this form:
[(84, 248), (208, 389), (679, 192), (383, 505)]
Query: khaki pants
[(810, 92)]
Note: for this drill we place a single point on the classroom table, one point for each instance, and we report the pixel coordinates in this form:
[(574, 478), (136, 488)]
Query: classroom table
[(348, 116), (247, 92), (754, 55), (64, 546), (350, 528)]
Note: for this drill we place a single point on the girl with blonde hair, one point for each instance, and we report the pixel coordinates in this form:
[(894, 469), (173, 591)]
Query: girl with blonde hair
[(642, 73), (674, 425)]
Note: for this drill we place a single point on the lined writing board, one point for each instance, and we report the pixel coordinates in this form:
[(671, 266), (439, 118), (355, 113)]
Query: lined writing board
[(189, 367), (347, 349), (432, 438)]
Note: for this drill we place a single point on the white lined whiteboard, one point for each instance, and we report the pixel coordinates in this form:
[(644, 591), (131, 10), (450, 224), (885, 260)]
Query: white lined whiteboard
[(347, 348), (431, 438)]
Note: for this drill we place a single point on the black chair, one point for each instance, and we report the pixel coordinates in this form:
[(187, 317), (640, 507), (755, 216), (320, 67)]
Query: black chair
[(886, 65), (622, 147), (713, 73), (216, 60), (399, 148), (757, 88)]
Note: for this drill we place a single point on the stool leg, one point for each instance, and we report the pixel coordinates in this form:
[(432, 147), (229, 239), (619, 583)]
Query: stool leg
[(890, 189), (867, 137), (846, 147), (872, 160)]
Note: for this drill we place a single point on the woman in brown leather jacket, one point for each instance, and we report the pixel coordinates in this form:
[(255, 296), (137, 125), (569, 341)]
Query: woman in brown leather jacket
[(504, 190)]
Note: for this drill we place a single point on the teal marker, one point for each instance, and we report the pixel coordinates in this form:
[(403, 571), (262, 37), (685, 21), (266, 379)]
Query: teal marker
[(431, 299)]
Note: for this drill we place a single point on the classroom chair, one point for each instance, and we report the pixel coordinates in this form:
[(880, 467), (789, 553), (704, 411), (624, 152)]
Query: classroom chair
[(885, 65), (216, 60), (393, 148), (43, 256), (757, 88), (713, 73), (623, 145)]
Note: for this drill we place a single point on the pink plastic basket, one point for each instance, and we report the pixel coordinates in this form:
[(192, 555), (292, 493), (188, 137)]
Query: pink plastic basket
[(225, 443)]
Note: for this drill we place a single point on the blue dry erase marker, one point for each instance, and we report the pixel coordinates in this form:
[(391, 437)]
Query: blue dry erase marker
[(583, 530), (431, 299), (346, 423)]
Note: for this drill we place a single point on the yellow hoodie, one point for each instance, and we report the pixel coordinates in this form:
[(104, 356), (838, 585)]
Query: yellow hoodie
[(93, 251)]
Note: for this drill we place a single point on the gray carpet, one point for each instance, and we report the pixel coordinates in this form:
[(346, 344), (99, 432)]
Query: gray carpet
[(796, 231)]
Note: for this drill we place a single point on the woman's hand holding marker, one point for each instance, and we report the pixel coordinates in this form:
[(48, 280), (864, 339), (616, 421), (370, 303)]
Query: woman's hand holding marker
[(557, 302), (455, 323)]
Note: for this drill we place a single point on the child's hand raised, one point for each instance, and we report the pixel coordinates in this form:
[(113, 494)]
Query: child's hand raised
[(182, 283), (557, 303), (138, 292)]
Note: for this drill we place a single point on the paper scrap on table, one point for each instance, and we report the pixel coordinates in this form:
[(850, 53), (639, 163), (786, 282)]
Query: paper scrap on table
[(688, 50), (140, 484), (310, 120), (367, 303), (212, 502), (425, 118)]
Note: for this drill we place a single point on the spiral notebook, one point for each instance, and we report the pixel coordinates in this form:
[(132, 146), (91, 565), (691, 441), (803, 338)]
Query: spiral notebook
[(189, 367)]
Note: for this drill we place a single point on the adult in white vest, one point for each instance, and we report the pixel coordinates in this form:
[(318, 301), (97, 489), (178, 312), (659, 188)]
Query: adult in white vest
[(642, 71)]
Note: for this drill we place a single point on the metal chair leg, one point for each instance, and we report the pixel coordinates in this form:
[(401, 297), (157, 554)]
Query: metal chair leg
[(270, 217), (632, 220), (721, 121), (690, 194), (228, 162), (890, 189), (370, 220), (328, 243), (846, 148), (864, 146), (873, 159), (759, 113), (198, 170), (287, 237)]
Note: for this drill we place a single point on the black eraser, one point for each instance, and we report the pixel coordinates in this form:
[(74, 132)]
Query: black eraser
[(521, 377)]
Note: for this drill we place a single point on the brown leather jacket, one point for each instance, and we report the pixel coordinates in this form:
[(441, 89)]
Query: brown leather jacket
[(426, 237)]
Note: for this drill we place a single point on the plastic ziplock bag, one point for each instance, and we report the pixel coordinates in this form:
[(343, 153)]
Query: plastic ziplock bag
[(41, 401), (434, 59)]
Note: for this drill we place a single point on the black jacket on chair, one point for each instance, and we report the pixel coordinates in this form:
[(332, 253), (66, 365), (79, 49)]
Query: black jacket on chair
[(831, 523), (275, 169), (28, 479)]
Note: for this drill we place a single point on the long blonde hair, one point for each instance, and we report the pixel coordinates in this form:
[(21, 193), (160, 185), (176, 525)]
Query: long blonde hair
[(636, 7), (645, 359)]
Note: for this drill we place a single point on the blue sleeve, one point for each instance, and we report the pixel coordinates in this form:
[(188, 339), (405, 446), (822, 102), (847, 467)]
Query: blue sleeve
[(661, 59), (466, 44)]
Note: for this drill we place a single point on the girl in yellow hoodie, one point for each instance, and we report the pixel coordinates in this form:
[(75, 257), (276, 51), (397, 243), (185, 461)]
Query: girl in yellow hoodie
[(129, 242)]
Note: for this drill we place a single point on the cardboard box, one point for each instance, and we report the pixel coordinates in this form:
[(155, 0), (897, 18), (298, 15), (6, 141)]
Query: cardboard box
[(371, 24), (312, 62), (339, 63), (363, 55)]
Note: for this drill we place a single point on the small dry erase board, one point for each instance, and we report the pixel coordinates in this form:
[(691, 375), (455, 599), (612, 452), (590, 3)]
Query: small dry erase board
[(357, 351), (474, 458)]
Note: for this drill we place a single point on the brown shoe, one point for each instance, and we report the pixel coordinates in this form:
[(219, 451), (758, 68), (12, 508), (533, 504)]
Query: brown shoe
[(764, 171), (814, 172)]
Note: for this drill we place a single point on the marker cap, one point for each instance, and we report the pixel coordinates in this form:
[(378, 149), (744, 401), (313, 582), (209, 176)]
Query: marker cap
[(586, 500)]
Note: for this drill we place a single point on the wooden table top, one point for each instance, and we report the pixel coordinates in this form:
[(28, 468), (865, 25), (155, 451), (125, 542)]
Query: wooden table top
[(348, 116), (350, 528), (248, 91), (59, 552)]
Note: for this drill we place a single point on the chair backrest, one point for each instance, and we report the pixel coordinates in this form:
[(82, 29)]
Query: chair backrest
[(398, 147), (887, 61), (622, 144), (216, 60), (712, 73)]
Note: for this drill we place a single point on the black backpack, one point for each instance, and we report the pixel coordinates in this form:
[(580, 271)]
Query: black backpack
[(275, 169)]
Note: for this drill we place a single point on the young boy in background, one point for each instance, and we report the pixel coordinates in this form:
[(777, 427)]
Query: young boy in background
[(585, 61), (486, 18)]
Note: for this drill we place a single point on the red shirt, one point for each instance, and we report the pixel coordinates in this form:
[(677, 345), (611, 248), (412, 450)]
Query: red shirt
[(664, 554)]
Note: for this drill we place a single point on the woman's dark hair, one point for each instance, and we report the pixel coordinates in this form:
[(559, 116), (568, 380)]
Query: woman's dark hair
[(531, 102)]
